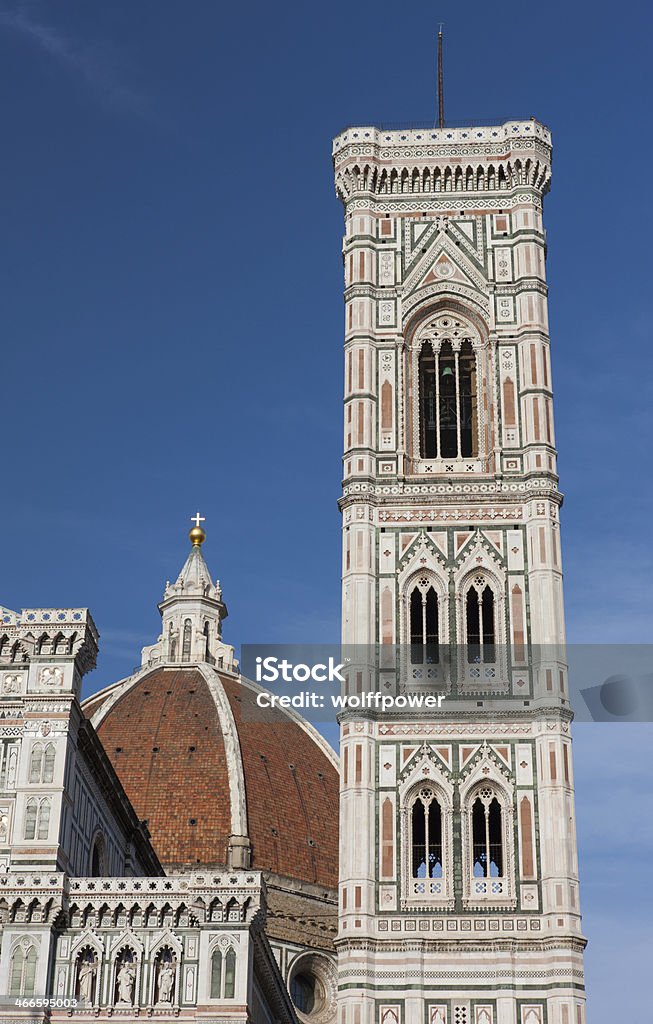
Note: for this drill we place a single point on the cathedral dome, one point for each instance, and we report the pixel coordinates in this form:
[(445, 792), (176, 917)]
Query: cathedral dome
[(218, 780)]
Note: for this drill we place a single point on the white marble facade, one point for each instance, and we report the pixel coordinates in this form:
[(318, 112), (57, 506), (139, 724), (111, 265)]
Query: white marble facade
[(445, 296)]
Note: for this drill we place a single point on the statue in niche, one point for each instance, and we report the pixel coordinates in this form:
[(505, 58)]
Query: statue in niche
[(165, 981), (126, 978), (86, 977)]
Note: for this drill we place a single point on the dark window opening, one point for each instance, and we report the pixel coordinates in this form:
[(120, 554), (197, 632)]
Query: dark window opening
[(426, 836), (480, 624), (487, 838), (423, 627), (448, 402), (230, 974), (302, 992)]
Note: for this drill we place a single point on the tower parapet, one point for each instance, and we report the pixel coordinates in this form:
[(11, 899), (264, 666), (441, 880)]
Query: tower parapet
[(396, 164), (46, 650)]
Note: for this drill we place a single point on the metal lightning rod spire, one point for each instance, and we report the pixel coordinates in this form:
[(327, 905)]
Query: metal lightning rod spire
[(440, 81)]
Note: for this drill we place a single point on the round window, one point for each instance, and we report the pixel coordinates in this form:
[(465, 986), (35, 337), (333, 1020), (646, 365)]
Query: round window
[(302, 991), (312, 987)]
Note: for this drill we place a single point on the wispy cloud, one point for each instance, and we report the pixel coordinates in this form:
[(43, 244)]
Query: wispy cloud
[(94, 63)]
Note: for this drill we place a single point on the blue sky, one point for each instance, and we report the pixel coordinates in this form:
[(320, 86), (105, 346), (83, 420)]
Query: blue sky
[(172, 326)]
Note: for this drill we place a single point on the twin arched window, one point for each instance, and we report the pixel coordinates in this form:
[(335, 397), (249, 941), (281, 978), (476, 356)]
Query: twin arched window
[(41, 765), (448, 417), (37, 819), (223, 974), (22, 975), (479, 627), (484, 853)]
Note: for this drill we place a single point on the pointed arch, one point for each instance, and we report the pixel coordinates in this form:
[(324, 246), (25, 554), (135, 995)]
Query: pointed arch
[(22, 969), (31, 813), (49, 755), (423, 622), (480, 620), (216, 974), (429, 397), (445, 365), (35, 763), (229, 974)]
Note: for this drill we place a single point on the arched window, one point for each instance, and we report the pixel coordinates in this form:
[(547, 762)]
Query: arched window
[(487, 835), (97, 858), (48, 763), (216, 975), (448, 402), (428, 394), (43, 820), (188, 632), (230, 974), (205, 631), (41, 763), (22, 971), (35, 762), (423, 624), (31, 811), (480, 620), (426, 835)]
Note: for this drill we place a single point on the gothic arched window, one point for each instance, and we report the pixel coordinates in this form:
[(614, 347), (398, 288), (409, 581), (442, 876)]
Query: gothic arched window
[(426, 835), (41, 763), (187, 636), (423, 623), (487, 835), (30, 819), (428, 394), (35, 762), (48, 763), (448, 402), (216, 975), (43, 820), (22, 971), (480, 619), (230, 974), (98, 858)]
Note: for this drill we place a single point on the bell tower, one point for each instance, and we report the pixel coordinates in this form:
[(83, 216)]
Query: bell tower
[(458, 880)]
